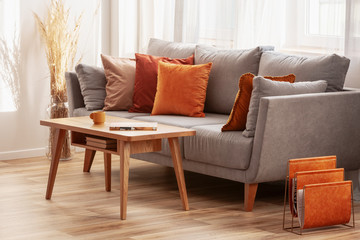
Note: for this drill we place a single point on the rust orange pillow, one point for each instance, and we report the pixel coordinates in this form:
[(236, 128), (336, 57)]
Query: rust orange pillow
[(146, 80), (181, 89), (238, 115)]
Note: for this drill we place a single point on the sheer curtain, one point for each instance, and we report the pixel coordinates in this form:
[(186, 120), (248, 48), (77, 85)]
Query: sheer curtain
[(141, 20), (233, 23), (307, 27), (9, 24), (352, 42)]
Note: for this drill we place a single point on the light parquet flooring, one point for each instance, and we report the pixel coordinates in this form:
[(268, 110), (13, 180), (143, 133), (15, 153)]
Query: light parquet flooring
[(80, 207)]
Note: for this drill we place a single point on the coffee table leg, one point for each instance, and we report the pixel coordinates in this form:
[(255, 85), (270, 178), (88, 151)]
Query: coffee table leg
[(124, 177), (88, 159), (59, 136), (107, 168), (177, 160)]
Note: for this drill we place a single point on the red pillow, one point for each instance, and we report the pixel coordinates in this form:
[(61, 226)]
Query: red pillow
[(146, 80)]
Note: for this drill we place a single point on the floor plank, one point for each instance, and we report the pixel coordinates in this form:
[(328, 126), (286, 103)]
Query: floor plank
[(80, 207)]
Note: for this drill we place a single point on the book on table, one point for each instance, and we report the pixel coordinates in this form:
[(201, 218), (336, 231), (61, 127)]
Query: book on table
[(132, 126), (101, 142)]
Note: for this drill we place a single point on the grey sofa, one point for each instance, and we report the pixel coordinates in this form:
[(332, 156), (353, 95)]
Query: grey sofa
[(291, 126)]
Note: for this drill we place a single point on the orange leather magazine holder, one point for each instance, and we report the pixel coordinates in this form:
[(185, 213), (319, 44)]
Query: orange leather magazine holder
[(318, 194), (306, 164), (319, 176), (326, 204)]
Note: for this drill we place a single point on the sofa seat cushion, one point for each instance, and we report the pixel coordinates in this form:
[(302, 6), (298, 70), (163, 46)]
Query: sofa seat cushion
[(165, 148), (184, 121), (79, 112), (125, 114), (226, 149)]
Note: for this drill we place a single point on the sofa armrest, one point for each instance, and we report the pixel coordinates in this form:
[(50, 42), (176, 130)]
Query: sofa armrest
[(75, 98), (351, 89), (306, 125)]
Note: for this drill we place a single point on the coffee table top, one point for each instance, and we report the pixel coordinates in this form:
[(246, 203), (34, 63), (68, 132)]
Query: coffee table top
[(86, 125)]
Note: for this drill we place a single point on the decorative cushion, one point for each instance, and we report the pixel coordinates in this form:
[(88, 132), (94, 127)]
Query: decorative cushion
[(228, 66), (146, 80), (120, 78), (181, 89), (92, 84), (332, 68), (164, 48), (263, 88), (238, 115)]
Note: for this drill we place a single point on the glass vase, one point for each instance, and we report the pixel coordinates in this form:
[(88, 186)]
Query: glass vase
[(59, 110)]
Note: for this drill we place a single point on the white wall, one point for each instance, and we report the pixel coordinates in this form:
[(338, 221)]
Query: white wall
[(20, 132)]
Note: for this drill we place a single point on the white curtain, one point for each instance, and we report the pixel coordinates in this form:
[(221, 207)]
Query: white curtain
[(352, 42), (307, 27), (142, 19), (9, 33), (233, 23)]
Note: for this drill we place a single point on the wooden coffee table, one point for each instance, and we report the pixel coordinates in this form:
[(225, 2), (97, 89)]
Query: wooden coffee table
[(128, 142)]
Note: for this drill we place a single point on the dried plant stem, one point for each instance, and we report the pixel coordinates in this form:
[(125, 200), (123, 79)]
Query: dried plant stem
[(10, 67)]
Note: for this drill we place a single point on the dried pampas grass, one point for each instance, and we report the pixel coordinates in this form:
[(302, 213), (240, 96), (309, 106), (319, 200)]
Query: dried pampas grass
[(61, 47), (10, 61)]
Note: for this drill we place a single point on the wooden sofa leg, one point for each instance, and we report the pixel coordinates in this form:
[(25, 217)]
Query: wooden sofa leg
[(250, 194)]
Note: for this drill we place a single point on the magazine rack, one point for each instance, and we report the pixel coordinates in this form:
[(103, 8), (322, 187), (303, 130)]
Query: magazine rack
[(318, 195)]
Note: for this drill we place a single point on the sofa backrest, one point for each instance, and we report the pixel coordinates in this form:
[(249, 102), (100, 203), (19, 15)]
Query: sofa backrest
[(75, 98), (227, 68), (331, 68), (162, 48)]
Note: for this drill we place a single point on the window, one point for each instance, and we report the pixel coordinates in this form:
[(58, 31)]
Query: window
[(325, 18), (355, 10), (9, 79), (321, 24)]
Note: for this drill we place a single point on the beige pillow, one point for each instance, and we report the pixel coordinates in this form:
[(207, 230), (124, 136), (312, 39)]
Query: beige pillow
[(120, 78)]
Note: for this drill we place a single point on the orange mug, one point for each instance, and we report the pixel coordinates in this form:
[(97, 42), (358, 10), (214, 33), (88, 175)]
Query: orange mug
[(98, 117)]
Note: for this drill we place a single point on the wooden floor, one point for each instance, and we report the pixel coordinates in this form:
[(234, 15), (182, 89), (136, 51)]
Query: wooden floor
[(81, 209)]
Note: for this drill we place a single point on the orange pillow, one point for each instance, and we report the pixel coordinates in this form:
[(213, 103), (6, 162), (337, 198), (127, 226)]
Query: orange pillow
[(238, 115), (181, 89), (146, 80)]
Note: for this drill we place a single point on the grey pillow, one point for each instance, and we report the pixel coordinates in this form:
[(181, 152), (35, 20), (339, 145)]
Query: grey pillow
[(227, 68), (264, 88), (92, 84), (168, 49), (332, 68)]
